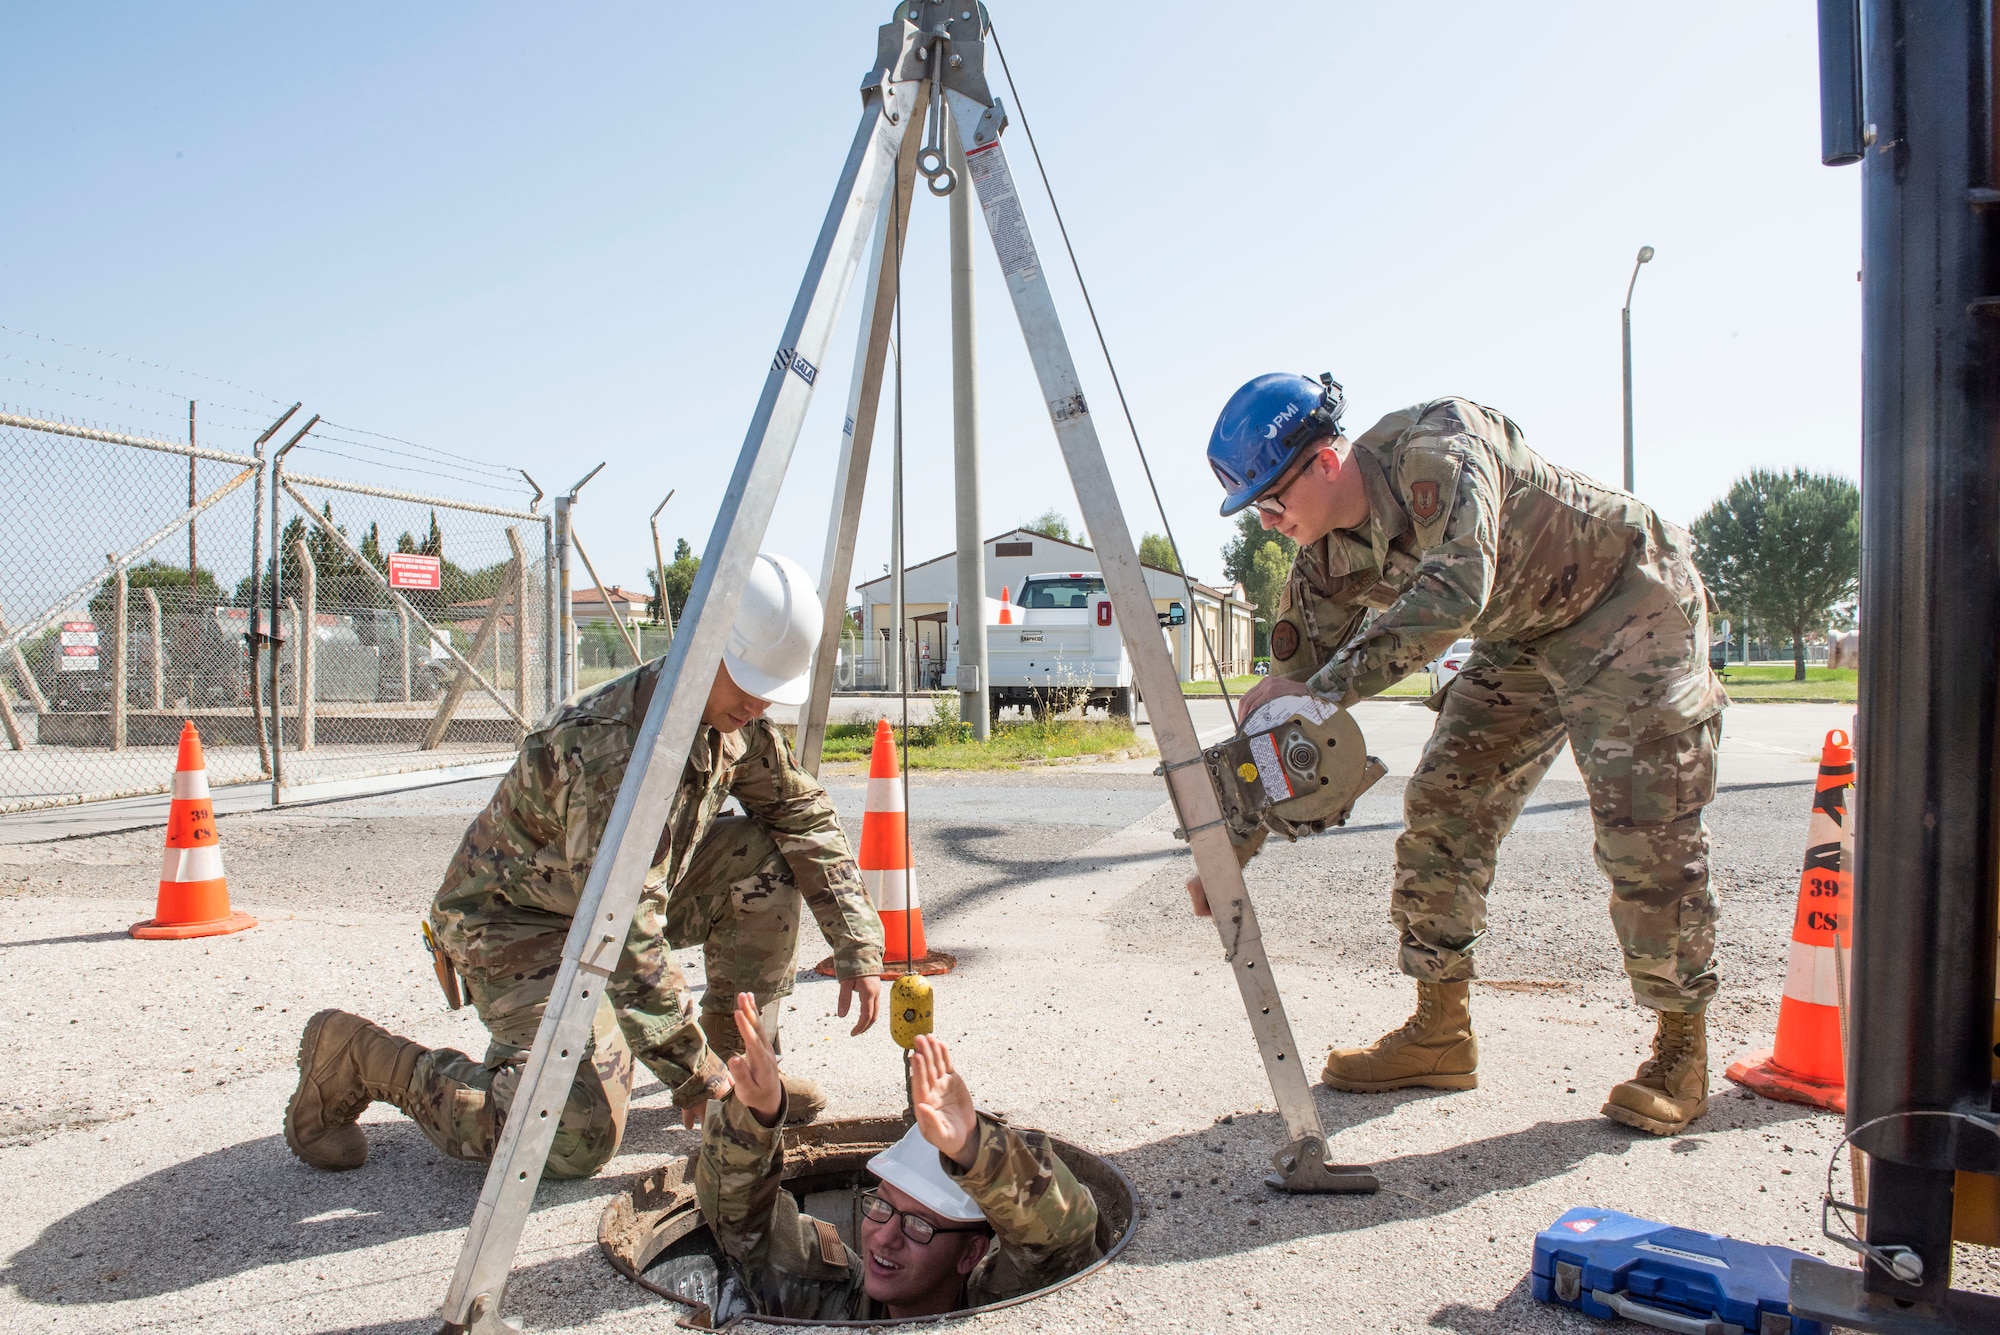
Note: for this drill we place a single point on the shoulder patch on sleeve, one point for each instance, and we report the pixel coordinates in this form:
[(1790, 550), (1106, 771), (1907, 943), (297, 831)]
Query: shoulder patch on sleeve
[(832, 1251), (1429, 483)]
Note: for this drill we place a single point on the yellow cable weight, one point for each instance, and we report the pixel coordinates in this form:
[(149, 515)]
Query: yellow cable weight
[(909, 1010)]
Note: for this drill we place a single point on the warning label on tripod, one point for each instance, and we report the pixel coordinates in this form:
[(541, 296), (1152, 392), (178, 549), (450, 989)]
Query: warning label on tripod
[(1004, 218)]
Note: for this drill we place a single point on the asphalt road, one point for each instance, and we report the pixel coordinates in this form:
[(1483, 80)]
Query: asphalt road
[(150, 1188)]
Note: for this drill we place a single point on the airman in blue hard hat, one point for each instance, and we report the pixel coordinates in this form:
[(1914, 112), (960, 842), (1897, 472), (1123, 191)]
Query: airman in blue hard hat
[(1590, 628)]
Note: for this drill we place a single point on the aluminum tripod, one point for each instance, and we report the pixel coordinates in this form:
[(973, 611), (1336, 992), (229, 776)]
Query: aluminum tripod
[(930, 52)]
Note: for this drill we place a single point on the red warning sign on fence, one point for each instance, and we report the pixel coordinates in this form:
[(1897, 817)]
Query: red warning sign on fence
[(409, 571)]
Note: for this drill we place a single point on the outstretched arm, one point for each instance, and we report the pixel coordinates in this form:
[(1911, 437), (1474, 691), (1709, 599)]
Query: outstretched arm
[(1044, 1220)]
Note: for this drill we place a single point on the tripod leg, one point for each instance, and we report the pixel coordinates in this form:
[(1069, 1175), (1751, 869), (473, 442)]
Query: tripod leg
[(1302, 1164), (857, 439), (597, 933)]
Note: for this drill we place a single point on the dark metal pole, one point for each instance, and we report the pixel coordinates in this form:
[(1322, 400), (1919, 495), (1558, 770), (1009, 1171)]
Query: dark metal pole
[(193, 498), (253, 638), (1839, 82), (277, 637), (1924, 907)]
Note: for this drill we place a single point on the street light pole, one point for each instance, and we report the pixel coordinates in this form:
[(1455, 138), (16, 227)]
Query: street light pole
[(1645, 254)]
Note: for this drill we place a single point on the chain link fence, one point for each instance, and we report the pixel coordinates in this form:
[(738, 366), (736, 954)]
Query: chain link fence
[(430, 628), (124, 588)]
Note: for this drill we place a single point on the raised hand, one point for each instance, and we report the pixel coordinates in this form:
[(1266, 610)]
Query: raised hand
[(942, 1101), (755, 1073)]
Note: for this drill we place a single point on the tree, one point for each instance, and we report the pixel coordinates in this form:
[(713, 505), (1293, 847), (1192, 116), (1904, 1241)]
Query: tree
[(1259, 559), (1155, 550), (1783, 550), (680, 581), (1051, 523), (157, 574)]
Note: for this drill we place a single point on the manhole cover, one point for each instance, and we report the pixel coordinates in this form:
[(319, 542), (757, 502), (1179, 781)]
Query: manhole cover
[(650, 1232)]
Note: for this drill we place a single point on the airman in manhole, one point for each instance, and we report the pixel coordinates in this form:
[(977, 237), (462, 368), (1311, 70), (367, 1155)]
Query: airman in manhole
[(965, 1211)]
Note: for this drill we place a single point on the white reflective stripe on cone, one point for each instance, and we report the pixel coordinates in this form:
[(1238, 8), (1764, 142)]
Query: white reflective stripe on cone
[(884, 795), (192, 864), (190, 783), (1810, 977), (890, 891)]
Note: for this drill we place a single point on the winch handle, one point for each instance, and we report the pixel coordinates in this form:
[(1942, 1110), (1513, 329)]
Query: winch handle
[(1633, 1310)]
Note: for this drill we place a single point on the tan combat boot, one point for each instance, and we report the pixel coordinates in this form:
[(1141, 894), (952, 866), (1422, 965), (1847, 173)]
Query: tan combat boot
[(804, 1101), (1671, 1088), (1434, 1048), (345, 1064)]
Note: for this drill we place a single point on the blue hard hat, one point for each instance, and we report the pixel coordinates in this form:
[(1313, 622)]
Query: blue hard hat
[(1264, 426)]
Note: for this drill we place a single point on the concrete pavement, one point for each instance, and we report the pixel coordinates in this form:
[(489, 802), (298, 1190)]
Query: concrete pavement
[(151, 1191)]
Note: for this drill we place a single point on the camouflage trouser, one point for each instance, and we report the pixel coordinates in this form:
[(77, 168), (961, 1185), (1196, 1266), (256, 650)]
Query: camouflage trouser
[(1498, 732), (737, 900)]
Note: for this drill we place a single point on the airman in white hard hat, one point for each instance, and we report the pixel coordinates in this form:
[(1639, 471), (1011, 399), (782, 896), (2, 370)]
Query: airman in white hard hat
[(731, 884), (966, 1210)]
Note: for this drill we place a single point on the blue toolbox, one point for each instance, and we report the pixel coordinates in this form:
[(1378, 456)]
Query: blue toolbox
[(1606, 1264)]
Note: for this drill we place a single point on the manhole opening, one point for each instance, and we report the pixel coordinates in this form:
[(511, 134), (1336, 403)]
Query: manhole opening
[(654, 1235)]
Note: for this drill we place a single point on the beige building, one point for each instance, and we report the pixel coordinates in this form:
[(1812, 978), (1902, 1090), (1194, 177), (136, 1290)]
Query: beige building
[(930, 586)]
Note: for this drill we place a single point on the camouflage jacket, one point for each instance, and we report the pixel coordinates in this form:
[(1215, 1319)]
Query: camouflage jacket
[(504, 910), (790, 1264), (1471, 533)]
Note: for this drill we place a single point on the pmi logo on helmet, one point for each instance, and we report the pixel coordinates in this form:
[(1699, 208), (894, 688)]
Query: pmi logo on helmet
[(1283, 419)]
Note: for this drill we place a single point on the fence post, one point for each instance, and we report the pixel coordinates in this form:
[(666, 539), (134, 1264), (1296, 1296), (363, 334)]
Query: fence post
[(520, 630), (29, 686), (159, 649), (551, 619), (308, 656), (460, 680), (566, 618), (404, 617), (7, 719), (120, 661)]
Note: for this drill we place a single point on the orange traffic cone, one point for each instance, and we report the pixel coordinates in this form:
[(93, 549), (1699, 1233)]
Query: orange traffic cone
[(884, 859), (1806, 1064), (1006, 610), (194, 896)]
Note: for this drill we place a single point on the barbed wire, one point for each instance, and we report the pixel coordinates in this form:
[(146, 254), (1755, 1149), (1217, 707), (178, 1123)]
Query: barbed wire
[(445, 464), (428, 449), (210, 405), (406, 468), (139, 361)]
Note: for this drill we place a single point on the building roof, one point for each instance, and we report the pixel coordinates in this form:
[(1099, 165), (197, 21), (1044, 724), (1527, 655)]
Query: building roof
[(588, 594), (1013, 533)]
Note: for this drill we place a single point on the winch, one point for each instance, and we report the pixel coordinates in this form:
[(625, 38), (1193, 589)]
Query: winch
[(1298, 766)]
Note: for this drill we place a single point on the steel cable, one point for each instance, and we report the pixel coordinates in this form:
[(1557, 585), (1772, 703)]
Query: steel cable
[(1118, 384)]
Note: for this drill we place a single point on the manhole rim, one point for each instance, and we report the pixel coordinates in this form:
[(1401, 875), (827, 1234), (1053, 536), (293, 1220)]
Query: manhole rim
[(691, 1315)]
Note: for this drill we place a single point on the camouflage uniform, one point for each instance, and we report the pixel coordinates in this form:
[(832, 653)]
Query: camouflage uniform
[(790, 1264), (1591, 626), (732, 884)]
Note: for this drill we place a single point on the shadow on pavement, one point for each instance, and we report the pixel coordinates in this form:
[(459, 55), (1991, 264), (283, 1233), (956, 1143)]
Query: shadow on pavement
[(251, 1205), (81, 938), (1516, 1312), (1224, 1207), (981, 848)]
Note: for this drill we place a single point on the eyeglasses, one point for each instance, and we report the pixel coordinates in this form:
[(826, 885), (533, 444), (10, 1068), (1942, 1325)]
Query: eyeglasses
[(1272, 502), (915, 1227)]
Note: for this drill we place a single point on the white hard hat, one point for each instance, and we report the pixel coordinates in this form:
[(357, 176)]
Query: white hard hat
[(911, 1166), (777, 626)]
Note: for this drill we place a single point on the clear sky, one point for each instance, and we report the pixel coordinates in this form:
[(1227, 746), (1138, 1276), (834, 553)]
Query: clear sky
[(543, 236)]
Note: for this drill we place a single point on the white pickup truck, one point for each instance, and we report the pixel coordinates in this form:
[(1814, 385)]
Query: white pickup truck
[(1060, 645)]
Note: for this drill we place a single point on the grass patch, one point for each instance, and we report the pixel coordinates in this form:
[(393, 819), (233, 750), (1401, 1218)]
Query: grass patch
[(1237, 685), (1760, 681), (1012, 745), (1416, 684)]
